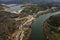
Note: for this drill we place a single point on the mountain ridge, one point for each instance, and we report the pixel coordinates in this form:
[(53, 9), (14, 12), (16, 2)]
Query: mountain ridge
[(28, 1)]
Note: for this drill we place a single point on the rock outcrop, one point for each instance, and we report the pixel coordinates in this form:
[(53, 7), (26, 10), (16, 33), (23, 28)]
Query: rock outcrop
[(10, 28)]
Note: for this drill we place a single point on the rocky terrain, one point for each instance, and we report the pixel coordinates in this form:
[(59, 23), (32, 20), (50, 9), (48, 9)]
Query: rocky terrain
[(10, 28)]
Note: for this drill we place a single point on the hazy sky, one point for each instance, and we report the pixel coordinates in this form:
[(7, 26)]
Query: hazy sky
[(37, 0), (7, 0), (15, 0)]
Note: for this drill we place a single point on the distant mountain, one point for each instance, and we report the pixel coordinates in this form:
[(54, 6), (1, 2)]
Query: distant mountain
[(28, 1)]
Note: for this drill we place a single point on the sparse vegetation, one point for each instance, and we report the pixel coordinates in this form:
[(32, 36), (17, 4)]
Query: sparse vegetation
[(7, 26), (52, 27), (30, 9)]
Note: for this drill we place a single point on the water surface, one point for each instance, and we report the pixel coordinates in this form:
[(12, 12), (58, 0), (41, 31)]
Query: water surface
[(37, 27)]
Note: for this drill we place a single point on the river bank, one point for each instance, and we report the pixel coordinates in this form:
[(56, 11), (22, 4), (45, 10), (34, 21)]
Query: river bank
[(51, 27), (37, 26)]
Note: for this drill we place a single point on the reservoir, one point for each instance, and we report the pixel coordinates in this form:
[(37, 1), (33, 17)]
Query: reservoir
[(37, 26), (15, 8)]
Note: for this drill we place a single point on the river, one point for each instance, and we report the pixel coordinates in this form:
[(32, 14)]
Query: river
[(37, 26)]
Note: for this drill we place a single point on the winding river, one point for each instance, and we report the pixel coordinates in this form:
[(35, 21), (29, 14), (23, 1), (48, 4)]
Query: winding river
[(37, 26)]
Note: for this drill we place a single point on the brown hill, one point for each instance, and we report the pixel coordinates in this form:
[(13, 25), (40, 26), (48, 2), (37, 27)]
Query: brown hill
[(7, 25)]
